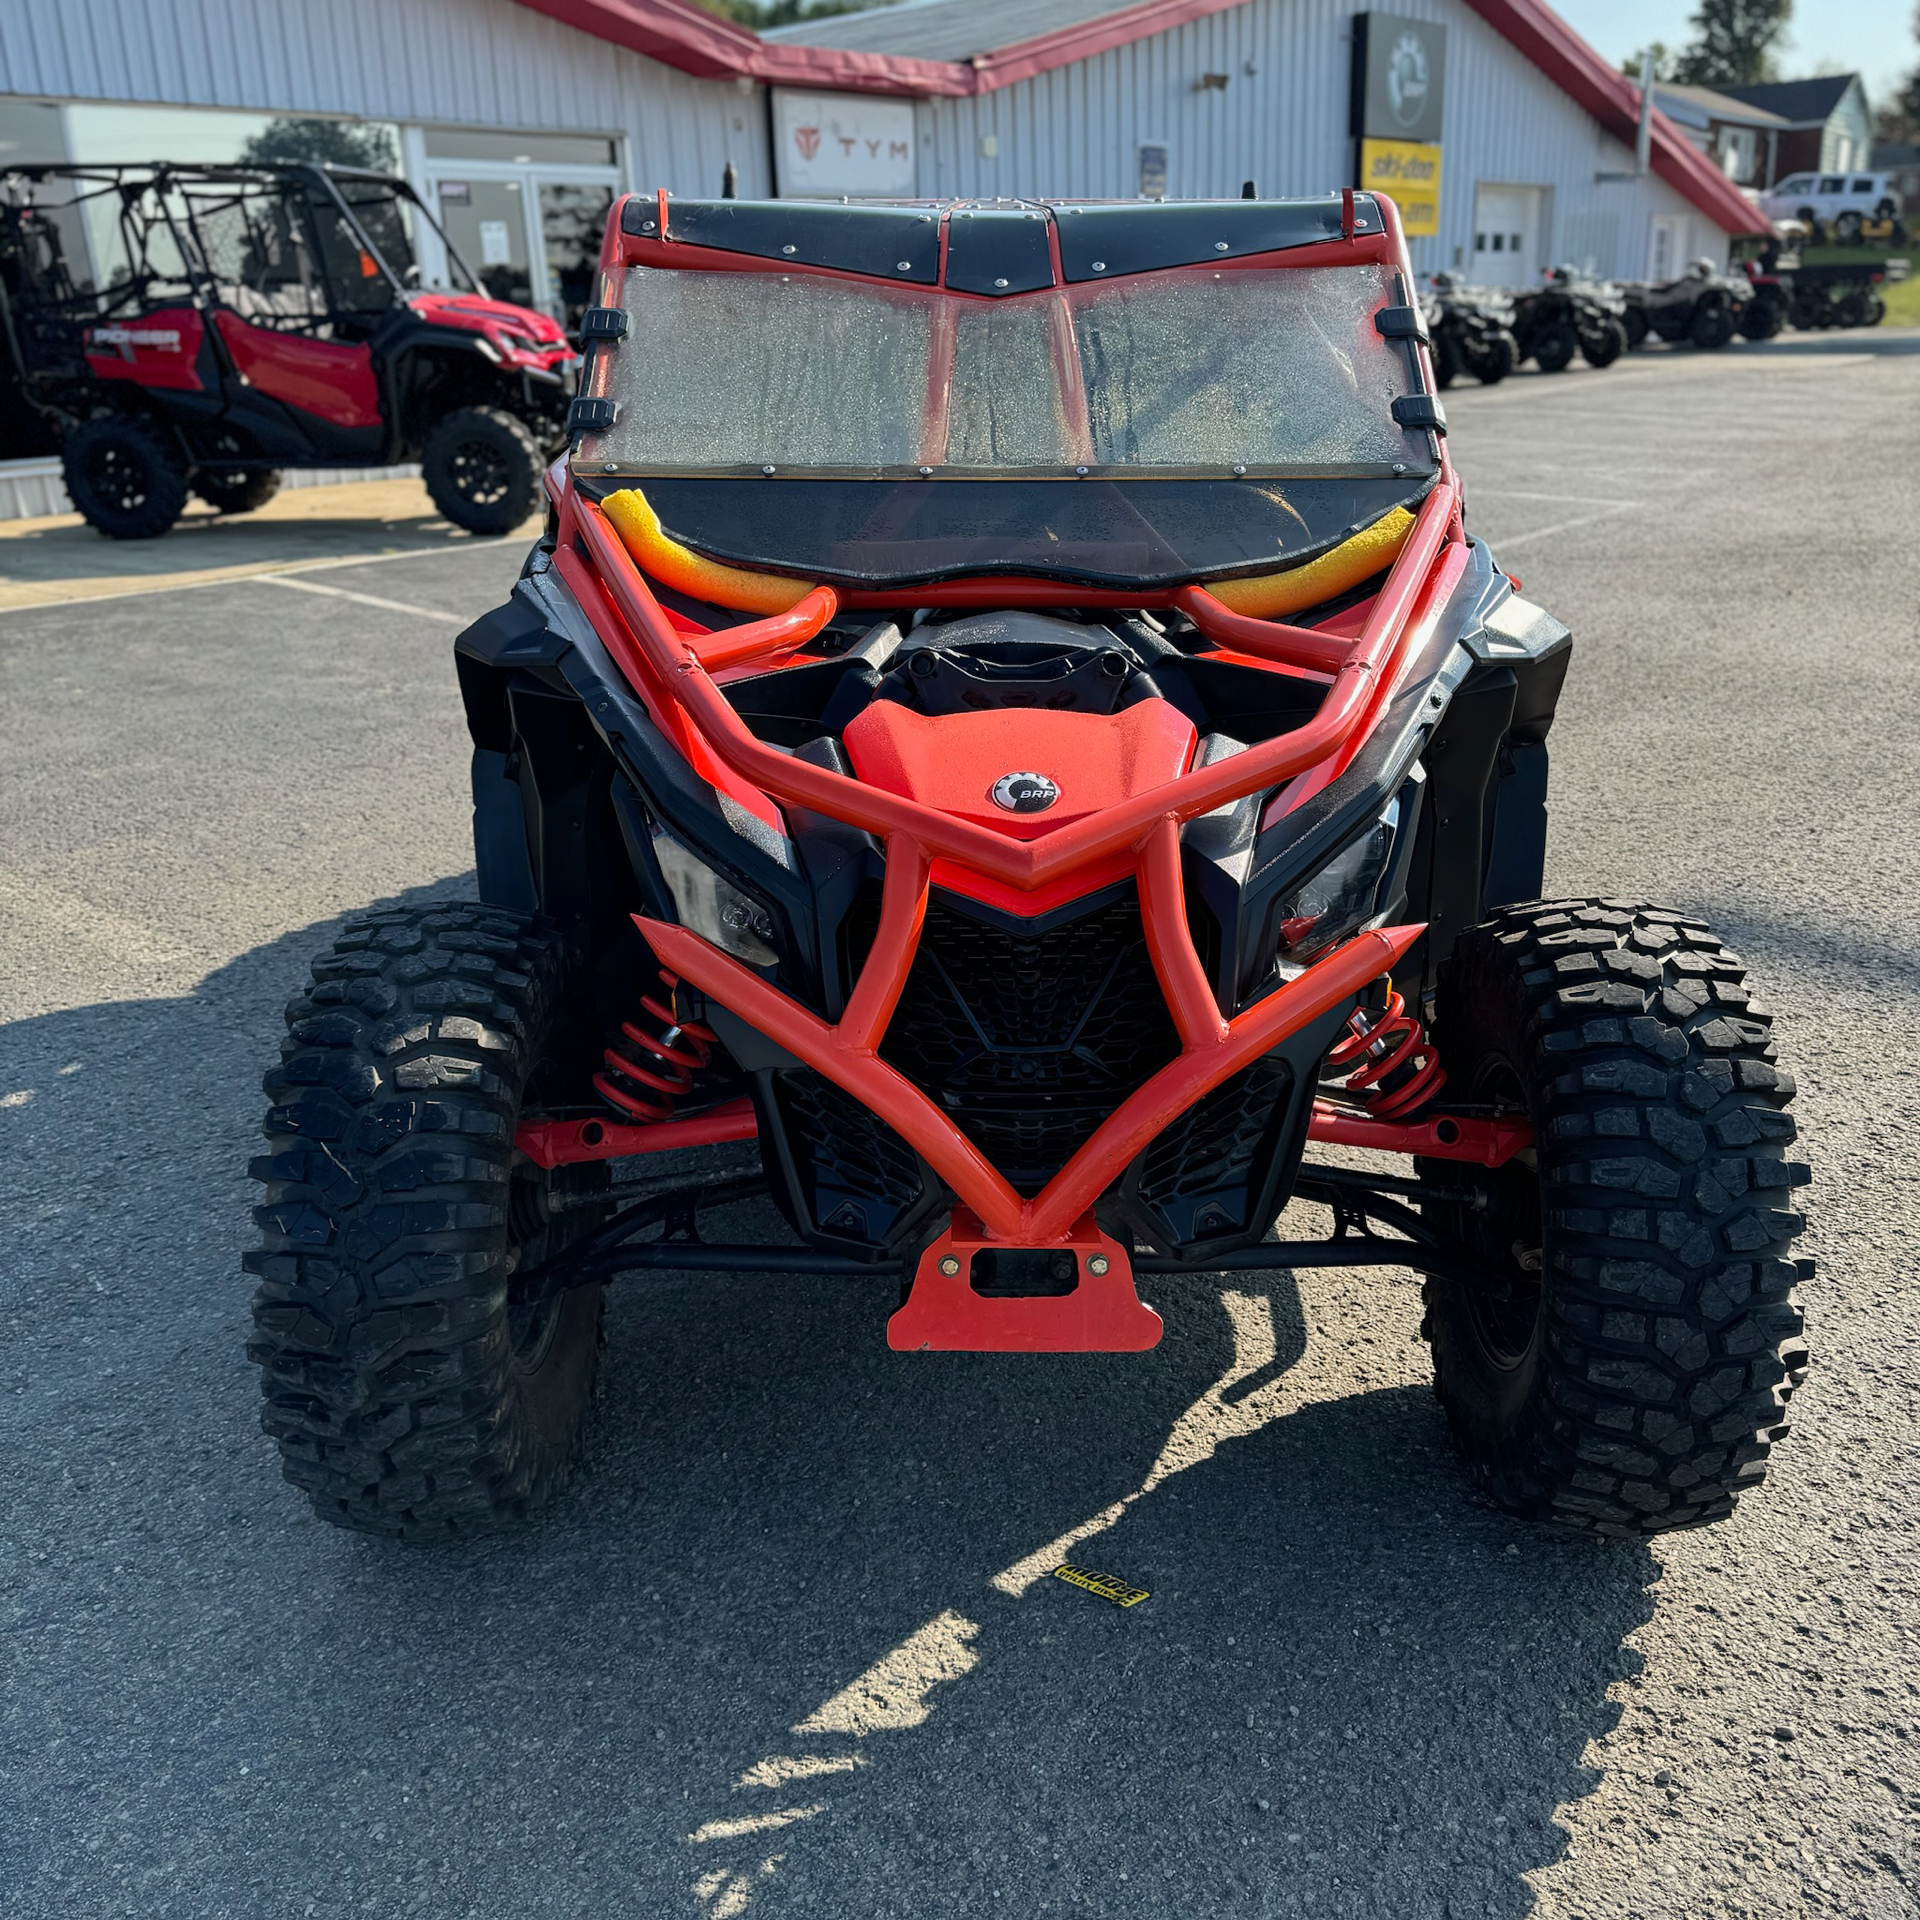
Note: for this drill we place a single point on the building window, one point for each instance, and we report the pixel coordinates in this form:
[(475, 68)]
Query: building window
[(1736, 152)]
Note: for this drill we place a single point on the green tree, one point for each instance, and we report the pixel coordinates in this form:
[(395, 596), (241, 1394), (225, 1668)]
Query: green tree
[(1662, 62), (761, 14), (1734, 44), (340, 143)]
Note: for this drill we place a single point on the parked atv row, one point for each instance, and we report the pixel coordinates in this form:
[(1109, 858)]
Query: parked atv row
[(1487, 331), (1830, 294), (195, 330)]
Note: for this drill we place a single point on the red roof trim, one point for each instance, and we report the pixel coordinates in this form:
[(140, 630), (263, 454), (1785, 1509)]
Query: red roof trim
[(681, 35)]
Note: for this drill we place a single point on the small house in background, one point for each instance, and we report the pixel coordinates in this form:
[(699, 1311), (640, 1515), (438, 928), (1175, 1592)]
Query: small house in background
[(1828, 126), (1739, 139)]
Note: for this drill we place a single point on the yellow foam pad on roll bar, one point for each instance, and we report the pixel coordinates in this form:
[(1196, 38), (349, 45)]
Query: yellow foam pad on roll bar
[(1267, 595), (658, 553)]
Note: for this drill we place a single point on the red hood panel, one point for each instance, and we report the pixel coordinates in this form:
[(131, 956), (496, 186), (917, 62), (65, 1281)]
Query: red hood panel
[(474, 313), (1095, 760)]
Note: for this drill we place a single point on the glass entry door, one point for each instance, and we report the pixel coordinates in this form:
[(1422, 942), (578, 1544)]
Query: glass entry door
[(525, 211), (487, 222)]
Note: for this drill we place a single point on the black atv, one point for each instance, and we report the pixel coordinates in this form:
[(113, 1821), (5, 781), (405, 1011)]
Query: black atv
[(1471, 330), (198, 329), (1570, 314), (1703, 307)]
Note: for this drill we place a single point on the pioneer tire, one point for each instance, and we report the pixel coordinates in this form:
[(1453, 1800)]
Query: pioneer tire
[(1623, 1359), (482, 468), (408, 1397), (125, 475)]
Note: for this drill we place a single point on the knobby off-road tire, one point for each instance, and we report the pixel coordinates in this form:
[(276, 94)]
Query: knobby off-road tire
[(1712, 328), (1601, 345), (482, 468), (1554, 351), (407, 1396), (239, 490), (1447, 357), (1493, 358), (1625, 1362), (124, 475)]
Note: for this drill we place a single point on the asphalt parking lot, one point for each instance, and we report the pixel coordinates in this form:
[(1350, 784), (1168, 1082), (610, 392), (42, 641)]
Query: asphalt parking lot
[(783, 1648)]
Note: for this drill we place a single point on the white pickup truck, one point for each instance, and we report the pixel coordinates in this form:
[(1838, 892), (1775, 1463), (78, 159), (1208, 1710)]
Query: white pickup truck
[(1842, 202)]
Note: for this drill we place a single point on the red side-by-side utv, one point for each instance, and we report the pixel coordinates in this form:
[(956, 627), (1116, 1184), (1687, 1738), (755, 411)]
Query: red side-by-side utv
[(1007, 724), (198, 329)]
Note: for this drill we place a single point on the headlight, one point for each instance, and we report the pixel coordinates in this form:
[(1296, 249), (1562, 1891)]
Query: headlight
[(1338, 900), (714, 907)]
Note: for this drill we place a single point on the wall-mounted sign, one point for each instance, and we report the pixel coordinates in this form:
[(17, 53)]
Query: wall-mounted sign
[(827, 144), (1399, 95), (1399, 78), (1153, 171), (1408, 172)]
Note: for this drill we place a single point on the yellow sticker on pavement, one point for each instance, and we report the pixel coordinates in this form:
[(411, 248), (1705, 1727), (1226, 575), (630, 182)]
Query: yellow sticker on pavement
[(1108, 1586)]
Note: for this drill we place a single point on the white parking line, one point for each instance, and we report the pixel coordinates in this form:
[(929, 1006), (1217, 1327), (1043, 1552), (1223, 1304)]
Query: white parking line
[(265, 573), (360, 599), (1563, 526)]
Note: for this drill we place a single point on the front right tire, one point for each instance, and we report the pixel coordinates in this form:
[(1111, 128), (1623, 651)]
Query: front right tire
[(1620, 1355), (482, 468)]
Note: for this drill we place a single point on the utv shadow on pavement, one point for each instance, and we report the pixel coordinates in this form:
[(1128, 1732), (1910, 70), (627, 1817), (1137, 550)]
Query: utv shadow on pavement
[(1354, 1690)]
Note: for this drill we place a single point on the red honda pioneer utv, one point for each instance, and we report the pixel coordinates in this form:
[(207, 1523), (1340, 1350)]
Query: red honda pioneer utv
[(201, 328), (1007, 717)]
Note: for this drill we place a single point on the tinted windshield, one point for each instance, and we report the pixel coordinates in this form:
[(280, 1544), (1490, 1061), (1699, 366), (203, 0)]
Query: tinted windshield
[(1273, 371)]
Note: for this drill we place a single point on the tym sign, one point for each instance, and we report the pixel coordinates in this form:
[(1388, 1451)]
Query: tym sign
[(827, 144)]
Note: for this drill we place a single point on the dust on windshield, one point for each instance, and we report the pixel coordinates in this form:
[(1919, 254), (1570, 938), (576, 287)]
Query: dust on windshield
[(1267, 370)]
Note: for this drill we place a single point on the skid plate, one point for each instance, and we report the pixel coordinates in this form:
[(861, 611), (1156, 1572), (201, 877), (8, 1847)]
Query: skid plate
[(1103, 1313)]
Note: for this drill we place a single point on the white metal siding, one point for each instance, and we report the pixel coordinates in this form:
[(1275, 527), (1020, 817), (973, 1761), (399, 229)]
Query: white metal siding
[(470, 63), (1074, 131), (1077, 130)]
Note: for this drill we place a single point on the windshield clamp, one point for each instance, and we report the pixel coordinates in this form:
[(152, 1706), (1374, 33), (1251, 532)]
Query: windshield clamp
[(587, 415), (1393, 323), (603, 323), (1420, 411)]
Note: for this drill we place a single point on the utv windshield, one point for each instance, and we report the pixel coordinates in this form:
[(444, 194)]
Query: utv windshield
[(1263, 372)]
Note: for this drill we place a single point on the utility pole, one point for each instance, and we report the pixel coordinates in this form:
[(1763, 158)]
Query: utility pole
[(1643, 142)]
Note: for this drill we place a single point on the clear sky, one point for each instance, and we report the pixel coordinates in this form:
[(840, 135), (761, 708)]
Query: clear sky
[(1871, 37)]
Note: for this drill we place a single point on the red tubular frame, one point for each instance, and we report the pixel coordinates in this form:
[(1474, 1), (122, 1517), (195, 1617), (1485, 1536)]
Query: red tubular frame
[(672, 672)]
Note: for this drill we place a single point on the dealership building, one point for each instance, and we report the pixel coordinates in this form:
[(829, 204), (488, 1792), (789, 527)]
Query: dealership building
[(1509, 142)]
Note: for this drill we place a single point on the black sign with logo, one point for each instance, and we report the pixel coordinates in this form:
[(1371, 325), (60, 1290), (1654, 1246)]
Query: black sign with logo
[(1399, 77)]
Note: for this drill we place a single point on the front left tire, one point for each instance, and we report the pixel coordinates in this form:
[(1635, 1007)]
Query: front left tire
[(409, 1392)]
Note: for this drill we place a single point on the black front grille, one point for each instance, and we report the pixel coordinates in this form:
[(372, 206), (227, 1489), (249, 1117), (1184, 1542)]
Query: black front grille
[(858, 1178), (1028, 1040), (1203, 1177)]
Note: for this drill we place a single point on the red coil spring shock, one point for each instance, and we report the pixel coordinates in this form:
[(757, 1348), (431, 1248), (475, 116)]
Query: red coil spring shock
[(648, 1087), (1377, 1048)]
